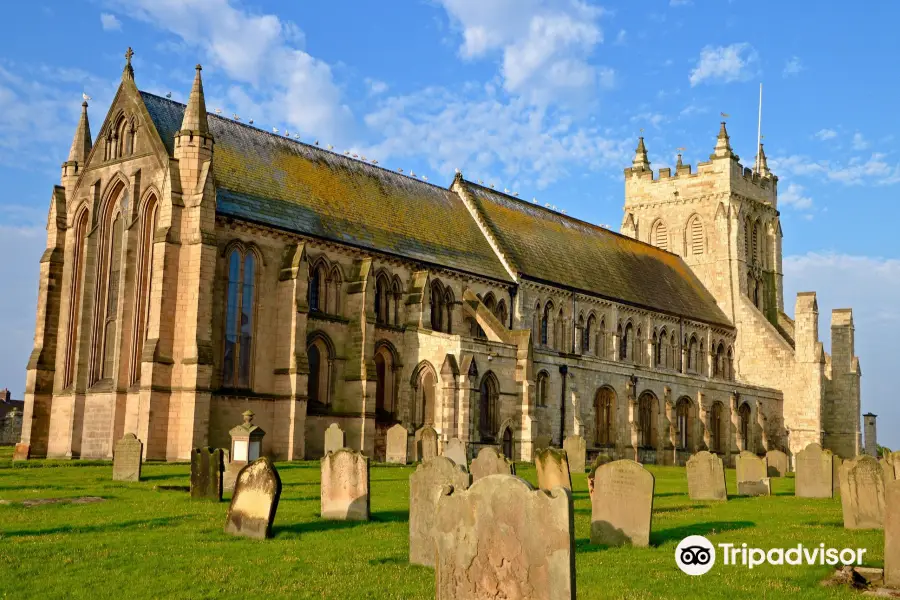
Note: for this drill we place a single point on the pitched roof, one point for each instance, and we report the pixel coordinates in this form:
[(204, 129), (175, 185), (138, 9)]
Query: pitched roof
[(276, 181), (548, 246)]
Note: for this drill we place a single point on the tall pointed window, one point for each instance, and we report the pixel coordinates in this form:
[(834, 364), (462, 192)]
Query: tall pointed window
[(744, 417), (382, 300), (489, 408), (239, 319), (605, 414), (683, 423), (545, 324), (113, 262), (659, 235), (695, 236), (715, 428), (81, 225), (144, 287), (543, 388), (588, 336)]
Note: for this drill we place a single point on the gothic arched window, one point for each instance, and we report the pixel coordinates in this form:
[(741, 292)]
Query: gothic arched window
[(144, 289), (239, 318), (382, 300), (647, 409), (695, 235), (744, 418), (659, 235), (320, 358), (543, 388), (605, 415), (683, 423), (437, 306), (588, 336), (489, 407), (715, 430), (545, 324), (74, 316)]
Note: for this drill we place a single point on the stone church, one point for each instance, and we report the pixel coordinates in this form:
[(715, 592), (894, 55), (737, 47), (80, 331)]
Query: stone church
[(197, 266)]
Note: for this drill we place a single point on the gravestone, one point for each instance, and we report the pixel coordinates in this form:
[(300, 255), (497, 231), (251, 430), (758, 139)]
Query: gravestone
[(763, 487), (706, 477), (397, 445), (888, 467), (127, 458), (599, 461), (345, 486), (426, 486), (455, 450), (207, 467), (862, 493), (552, 469), (777, 463), (490, 462), (426, 443), (836, 462), (501, 538), (750, 467), (814, 473), (576, 453), (255, 500), (334, 438), (892, 535), (622, 504)]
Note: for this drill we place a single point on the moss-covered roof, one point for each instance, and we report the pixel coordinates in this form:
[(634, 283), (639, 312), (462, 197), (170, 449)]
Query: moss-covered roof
[(276, 181), (548, 246)]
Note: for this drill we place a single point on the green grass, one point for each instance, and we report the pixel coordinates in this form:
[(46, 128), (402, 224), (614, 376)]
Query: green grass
[(147, 543)]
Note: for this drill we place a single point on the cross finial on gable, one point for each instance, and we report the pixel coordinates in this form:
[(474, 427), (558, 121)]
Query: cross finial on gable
[(128, 71)]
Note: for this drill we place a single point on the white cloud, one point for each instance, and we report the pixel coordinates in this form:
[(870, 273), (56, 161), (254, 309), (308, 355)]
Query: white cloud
[(648, 118), (110, 22), (859, 142), (693, 109), (725, 64), (375, 86), (826, 134), (544, 46), (875, 170), (794, 196), (871, 286), (792, 67), (621, 37), (677, 3), (275, 78), (513, 141)]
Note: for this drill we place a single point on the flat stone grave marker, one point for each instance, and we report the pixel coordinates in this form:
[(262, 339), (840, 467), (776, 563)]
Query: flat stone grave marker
[(552, 469), (862, 493), (750, 467), (763, 487), (892, 535), (397, 445), (622, 504), (576, 453), (334, 438), (127, 458), (501, 538), (814, 473), (345, 486), (426, 443), (490, 462), (429, 482), (706, 477), (207, 468), (777, 463), (255, 500), (455, 450)]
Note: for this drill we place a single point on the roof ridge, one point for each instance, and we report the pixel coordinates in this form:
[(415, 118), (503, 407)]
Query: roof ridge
[(301, 143), (593, 226)]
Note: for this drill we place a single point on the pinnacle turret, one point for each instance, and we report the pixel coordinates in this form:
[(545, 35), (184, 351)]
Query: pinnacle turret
[(194, 121), (640, 161), (128, 71), (81, 143), (723, 145), (762, 166)]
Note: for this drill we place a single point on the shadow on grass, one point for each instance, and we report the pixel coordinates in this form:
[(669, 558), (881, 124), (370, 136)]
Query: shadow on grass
[(145, 477), (711, 527), (105, 528), (390, 516), (314, 527), (825, 524), (680, 507), (667, 494)]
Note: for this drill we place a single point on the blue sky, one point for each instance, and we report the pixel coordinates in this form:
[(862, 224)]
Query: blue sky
[(545, 98)]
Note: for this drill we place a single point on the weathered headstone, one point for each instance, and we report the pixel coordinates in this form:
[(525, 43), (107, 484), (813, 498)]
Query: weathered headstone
[(455, 450), (426, 443), (622, 504), (397, 445), (599, 461), (814, 478), (490, 462), (576, 453), (552, 469), (750, 467), (777, 463), (763, 487), (892, 535), (207, 467), (501, 538), (345, 486), (887, 466), (334, 438), (255, 500), (706, 477), (862, 493), (426, 486), (127, 458)]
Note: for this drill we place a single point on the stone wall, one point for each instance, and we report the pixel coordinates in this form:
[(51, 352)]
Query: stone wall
[(11, 428)]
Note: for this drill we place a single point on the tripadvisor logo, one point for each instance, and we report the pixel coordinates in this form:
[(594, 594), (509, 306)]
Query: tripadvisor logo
[(695, 555)]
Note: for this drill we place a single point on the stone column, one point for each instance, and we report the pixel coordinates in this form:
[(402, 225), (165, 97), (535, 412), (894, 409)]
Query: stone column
[(632, 424), (734, 430), (358, 396)]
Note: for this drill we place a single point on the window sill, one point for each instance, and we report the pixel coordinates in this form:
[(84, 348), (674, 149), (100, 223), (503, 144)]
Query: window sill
[(320, 316)]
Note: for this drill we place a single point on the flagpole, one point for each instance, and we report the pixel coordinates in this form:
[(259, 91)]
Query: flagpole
[(759, 129)]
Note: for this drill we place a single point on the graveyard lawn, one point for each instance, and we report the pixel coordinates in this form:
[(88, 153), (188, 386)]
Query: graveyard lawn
[(146, 541)]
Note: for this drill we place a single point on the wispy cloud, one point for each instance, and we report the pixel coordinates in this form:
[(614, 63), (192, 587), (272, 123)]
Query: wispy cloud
[(826, 134), (110, 22), (792, 67), (874, 170), (725, 64), (795, 196), (859, 142)]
